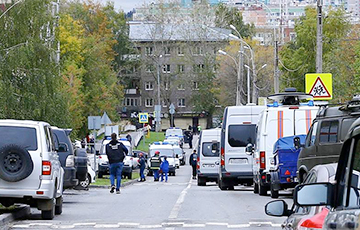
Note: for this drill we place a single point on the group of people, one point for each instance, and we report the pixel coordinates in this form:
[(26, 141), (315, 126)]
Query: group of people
[(159, 167)]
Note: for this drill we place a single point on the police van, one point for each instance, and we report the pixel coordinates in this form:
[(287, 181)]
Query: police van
[(238, 130), (287, 116), (165, 150), (208, 156)]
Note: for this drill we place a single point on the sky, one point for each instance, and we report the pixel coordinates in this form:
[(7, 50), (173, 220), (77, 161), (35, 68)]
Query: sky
[(126, 5)]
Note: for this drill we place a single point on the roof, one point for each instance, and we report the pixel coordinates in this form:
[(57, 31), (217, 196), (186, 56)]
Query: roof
[(151, 31), (21, 122)]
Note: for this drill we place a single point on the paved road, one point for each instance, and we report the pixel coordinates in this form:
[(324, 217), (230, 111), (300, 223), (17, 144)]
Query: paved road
[(177, 204)]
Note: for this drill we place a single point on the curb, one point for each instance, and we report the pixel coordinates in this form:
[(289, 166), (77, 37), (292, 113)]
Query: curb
[(18, 213)]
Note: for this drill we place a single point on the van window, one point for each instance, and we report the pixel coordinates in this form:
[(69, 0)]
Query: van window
[(329, 131), (11, 135), (345, 126), (310, 140), (241, 135), (206, 150)]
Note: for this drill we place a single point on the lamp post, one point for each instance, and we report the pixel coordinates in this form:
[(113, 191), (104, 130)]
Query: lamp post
[(248, 79), (238, 65), (158, 106)]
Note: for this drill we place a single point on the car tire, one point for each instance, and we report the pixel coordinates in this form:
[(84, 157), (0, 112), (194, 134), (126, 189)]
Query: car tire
[(201, 181), (49, 214), (58, 206), (15, 163), (231, 187), (85, 183), (256, 188), (273, 193), (221, 185), (262, 190)]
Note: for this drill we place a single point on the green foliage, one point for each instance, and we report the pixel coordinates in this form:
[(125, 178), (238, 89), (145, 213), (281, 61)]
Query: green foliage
[(159, 136), (300, 55)]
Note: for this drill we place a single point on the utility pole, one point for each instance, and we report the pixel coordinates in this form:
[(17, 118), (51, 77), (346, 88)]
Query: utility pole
[(276, 67), (319, 49), (239, 83)]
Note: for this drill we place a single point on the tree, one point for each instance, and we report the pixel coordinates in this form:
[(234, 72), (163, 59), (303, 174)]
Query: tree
[(299, 56)]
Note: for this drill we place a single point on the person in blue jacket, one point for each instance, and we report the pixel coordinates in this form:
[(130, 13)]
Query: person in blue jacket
[(164, 168), (142, 167)]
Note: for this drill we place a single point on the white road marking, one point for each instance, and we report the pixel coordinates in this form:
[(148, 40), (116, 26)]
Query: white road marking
[(175, 211), (21, 226), (67, 226), (150, 226), (216, 224), (239, 226), (129, 225), (106, 226), (260, 223), (84, 224), (194, 225), (40, 224)]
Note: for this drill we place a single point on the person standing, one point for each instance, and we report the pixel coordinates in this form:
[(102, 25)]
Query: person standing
[(193, 163), (142, 167), (129, 138), (190, 137), (115, 152), (155, 162), (164, 168), (199, 129)]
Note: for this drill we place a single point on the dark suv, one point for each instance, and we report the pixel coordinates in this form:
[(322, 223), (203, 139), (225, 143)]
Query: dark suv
[(66, 156), (326, 136)]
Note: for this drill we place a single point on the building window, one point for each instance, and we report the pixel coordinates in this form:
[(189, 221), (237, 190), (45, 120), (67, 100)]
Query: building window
[(180, 51), (181, 68), (181, 102), (150, 68), (197, 50), (149, 51), (149, 102), (195, 85), (165, 102), (166, 68), (131, 102), (149, 85), (166, 85), (199, 68), (181, 87), (167, 51)]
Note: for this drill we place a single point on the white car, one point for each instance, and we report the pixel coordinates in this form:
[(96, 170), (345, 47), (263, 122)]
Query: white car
[(175, 132)]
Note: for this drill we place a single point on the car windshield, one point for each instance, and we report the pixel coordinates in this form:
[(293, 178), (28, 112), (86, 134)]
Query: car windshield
[(241, 135), (163, 152), (22, 136), (178, 151), (206, 150), (173, 132)]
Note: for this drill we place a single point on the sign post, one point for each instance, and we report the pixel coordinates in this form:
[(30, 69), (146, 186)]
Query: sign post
[(94, 123), (144, 118), (319, 85), (172, 111)]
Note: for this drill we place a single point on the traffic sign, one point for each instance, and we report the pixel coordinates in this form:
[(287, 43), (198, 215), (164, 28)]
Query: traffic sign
[(319, 85), (94, 122), (143, 117), (172, 109), (105, 120)]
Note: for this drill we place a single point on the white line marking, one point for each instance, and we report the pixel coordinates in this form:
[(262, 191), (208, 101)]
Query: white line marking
[(260, 223), (150, 226), (129, 225), (40, 224), (106, 226), (194, 225), (217, 224), (84, 224), (175, 211), (275, 225), (21, 226), (65, 226), (172, 224), (239, 226)]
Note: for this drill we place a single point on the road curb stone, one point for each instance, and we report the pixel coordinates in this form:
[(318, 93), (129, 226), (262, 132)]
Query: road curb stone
[(19, 212)]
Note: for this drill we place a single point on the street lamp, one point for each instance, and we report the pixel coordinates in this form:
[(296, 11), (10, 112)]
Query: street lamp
[(248, 80), (238, 65), (158, 106)]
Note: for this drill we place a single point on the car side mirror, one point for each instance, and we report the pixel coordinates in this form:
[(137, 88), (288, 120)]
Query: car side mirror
[(297, 143), (277, 208), (318, 194), (214, 147), (249, 150), (63, 147)]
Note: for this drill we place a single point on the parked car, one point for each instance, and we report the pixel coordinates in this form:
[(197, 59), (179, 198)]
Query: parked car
[(326, 136), (66, 156), (165, 150), (342, 196), (179, 154), (90, 178), (307, 217), (30, 170), (175, 132), (81, 161)]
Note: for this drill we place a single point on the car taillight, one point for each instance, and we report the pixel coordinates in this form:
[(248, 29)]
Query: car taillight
[(46, 168), (198, 162), (262, 160), (100, 157), (294, 107), (315, 222), (222, 157), (70, 161)]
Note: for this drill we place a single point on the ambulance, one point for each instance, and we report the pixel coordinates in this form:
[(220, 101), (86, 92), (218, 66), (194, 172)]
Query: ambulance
[(287, 116)]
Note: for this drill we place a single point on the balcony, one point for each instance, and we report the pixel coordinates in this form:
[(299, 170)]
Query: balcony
[(132, 92)]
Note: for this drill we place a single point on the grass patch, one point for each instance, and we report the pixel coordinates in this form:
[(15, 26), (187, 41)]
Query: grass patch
[(154, 136), (105, 181)]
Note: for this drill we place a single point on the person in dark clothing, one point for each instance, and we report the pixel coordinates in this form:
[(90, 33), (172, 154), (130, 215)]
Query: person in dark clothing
[(142, 167), (115, 152), (129, 138), (193, 163), (190, 137), (155, 162)]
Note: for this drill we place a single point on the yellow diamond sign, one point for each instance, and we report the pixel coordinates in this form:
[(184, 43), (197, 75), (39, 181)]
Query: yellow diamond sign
[(319, 85)]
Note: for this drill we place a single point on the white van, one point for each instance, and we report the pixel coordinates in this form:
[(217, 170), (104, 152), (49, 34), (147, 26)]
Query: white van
[(208, 157), (285, 117), (238, 130)]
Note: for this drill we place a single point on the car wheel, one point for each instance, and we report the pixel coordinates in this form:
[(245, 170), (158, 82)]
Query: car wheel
[(273, 193), (201, 181), (49, 214), (231, 187), (221, 185), (58, 206), (85, 183), (262, 190), (256, 188), (15, 163)]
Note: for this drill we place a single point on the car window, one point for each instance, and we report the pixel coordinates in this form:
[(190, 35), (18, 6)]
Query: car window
[(346, 123), (206, 150), (310, 139), (351, 192), (163, 152), (241, 135), (311, 178), (329, 131), (11, 134)]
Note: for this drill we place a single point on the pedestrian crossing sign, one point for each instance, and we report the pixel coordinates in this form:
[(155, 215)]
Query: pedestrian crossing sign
[(319, 85), (143, 117)]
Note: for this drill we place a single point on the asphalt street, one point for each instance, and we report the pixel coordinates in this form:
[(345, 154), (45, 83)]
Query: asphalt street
[(177, 204)]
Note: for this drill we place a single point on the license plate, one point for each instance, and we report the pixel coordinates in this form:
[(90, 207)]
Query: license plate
[(238, 161), (208, 165)]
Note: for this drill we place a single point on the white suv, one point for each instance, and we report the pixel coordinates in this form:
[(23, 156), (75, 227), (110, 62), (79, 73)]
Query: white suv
[(30, 170)]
